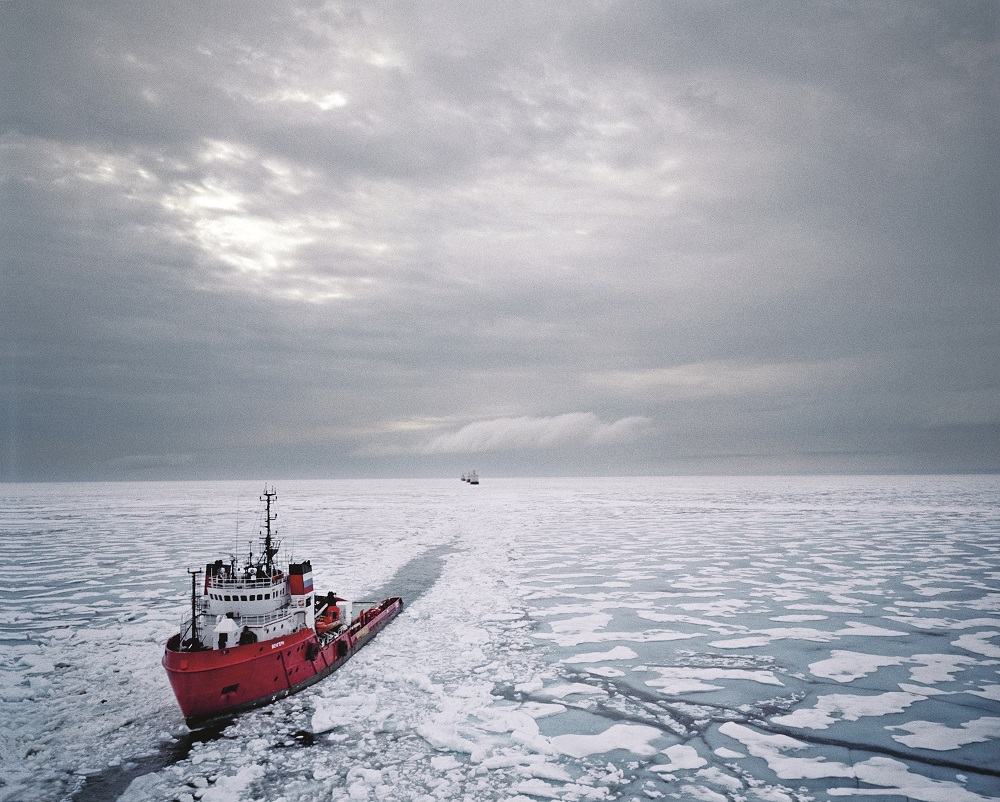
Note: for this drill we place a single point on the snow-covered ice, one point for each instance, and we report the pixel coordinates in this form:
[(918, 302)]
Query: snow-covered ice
[(836, 707), (766, 639), (933, 735)]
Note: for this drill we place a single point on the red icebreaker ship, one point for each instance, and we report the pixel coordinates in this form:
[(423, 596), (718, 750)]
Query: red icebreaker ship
[(256, 634)]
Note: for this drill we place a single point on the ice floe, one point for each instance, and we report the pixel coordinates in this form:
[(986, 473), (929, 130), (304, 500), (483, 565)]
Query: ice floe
[(892, 778), (940, 737), (774, 749), (679, 680), (618, 653), (980, 643), (681, 756), (832, 708), (774, 592), (846, 666), (934, 668), (634, 738)]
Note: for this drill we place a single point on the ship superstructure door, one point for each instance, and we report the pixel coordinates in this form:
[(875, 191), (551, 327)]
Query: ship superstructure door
[(300, 588)]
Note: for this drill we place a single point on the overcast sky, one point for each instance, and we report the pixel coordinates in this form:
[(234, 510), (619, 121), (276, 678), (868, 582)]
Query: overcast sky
[(306, 239)]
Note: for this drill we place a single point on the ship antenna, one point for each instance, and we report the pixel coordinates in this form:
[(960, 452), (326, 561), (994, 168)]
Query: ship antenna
[(269, 548), (236, 545), (194, 608)]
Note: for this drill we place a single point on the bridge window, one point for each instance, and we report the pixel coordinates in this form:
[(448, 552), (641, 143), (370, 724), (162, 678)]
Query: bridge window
[(227, 598)]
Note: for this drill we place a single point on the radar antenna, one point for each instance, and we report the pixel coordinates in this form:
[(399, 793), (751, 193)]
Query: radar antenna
[(271, 543)]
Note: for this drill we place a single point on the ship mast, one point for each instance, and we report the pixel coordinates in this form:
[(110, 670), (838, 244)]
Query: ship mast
[(195, 641), (270, 545)]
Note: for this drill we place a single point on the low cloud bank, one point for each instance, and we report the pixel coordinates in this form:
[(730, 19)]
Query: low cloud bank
[(140, 462), (508, 434)]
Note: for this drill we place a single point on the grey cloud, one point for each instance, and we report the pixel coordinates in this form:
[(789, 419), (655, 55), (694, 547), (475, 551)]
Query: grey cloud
[(264, 234)]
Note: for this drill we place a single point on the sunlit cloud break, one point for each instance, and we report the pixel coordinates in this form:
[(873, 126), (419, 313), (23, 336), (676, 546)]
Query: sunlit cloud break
[(508, 434)]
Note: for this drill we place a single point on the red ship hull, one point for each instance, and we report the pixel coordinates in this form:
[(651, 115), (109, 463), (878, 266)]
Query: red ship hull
[(216, 683)]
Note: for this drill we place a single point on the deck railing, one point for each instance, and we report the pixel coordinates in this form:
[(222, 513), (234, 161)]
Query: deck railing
[(223, 582), (207, 622)]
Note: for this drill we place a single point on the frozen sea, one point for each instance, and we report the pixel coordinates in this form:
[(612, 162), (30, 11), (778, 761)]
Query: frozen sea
[(709, 639)]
